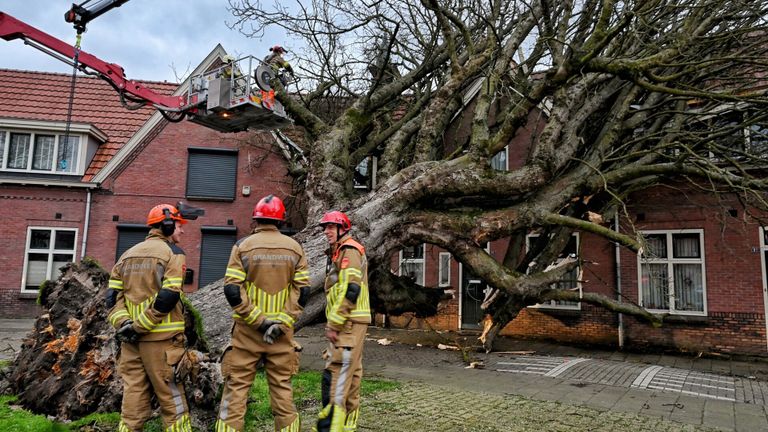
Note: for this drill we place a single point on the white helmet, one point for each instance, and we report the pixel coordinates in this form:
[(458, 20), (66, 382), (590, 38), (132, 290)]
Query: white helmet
[(228, 59)]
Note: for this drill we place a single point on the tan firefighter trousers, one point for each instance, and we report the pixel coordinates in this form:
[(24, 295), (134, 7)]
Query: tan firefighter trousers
[(238, 368), (341, 380), (148, 366)]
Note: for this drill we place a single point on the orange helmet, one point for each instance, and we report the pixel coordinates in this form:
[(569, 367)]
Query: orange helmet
[(158, 214), (269, 207), (277, 49), (336, 218)]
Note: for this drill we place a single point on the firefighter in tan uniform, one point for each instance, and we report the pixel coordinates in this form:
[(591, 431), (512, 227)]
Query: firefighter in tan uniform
[(266, 284), (144, 297), (348, 313)]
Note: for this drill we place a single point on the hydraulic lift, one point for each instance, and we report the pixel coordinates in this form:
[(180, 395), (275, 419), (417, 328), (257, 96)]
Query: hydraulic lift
[(227, 98)]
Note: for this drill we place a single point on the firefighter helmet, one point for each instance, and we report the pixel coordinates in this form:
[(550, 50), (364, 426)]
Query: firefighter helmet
[(158, 214), (337, 218), (277, 49), (269, 207), (227, 59)]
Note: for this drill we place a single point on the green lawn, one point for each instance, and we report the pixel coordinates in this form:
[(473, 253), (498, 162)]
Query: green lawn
[(306, 393)]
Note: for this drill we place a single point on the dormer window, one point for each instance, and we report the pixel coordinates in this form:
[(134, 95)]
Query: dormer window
[(39, 152)]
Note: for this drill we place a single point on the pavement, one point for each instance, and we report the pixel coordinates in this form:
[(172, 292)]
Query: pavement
[(722, 393)]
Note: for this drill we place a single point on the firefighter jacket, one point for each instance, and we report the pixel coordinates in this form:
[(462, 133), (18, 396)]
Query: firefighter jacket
[(347, 265), (143, 271), (259, 267), (276, 61)]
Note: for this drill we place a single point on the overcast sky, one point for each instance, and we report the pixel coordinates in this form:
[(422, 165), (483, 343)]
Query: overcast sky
[(148, 38)]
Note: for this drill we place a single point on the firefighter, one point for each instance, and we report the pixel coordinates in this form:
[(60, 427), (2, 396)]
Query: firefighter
[(146, 309), (266, 284), (276, 61), (348, 314)]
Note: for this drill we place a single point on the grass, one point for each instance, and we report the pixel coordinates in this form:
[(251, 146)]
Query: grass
[(306, 395)]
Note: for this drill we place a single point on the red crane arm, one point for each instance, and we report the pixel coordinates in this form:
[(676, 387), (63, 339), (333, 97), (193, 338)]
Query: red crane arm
[(11, 28)]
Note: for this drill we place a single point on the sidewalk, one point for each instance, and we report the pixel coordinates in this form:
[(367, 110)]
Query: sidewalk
[(727, 394)]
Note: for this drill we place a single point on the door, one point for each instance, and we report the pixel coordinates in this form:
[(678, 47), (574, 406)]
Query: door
[(472, 295), (764, 262)]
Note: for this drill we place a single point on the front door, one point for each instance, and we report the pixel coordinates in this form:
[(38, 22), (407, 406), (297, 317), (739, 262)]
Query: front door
[(472, 295)]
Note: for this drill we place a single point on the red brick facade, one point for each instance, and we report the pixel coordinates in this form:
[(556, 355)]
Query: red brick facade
[(733, 271)]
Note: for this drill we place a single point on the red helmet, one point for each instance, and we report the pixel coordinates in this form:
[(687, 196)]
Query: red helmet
[(336, 218), (157, 214), (269, 207), (277, 49)]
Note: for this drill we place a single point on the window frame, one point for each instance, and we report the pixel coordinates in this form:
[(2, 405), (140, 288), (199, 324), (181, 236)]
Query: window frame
[(421, 261), (50, 252), (5, 146), (553, 303), (440, 267), (670, 260)]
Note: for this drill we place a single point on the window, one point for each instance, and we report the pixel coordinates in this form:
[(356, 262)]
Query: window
[(48, 250), (129, 235), (570, 280), (39, 152), (499, 160), (444, 269), (212, 174), (364, 176), (671, 272), (412, 263), (214, 253)]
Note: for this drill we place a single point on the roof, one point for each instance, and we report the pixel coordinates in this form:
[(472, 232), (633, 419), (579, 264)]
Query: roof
[(45, 96)]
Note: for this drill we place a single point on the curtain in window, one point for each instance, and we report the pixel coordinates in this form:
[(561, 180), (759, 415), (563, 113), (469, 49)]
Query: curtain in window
[(2, 147), (655, 286), (42, 156), (444, 269), (689, 289), (18, 151), (499, 161), (414, 270), (686, 246), (68, 151), (656, 246)]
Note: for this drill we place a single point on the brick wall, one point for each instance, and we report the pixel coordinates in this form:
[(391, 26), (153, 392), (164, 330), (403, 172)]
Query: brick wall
[(159, 174), (22, 207)]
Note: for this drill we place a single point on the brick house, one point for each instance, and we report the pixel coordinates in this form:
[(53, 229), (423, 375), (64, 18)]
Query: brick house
[(63, 199), (709, 271)]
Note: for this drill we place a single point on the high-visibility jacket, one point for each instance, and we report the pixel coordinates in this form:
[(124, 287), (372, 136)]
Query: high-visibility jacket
[(138, 277), (347, 264), (260, 265)]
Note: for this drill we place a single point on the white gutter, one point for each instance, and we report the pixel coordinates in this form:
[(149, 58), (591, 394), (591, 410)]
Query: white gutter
[(42, 182), (86, 223)]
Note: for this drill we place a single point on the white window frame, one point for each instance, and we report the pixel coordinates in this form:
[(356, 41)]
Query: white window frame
[(79, 159), (441, 267), (50, 252), (670, 260), (421, 261), (553, 304)]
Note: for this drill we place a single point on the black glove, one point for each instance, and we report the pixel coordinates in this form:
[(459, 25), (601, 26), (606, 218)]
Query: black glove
[(272, 334), (126, 333)]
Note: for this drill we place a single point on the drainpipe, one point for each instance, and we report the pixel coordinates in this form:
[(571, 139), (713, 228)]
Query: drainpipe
[(85, 225), (617, 250)]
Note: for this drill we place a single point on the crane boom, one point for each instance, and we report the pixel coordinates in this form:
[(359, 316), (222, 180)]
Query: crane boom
[(80, 16), (11, 28)]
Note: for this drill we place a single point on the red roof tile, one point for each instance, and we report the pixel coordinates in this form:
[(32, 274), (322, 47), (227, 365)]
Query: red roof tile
[(45, 96)]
